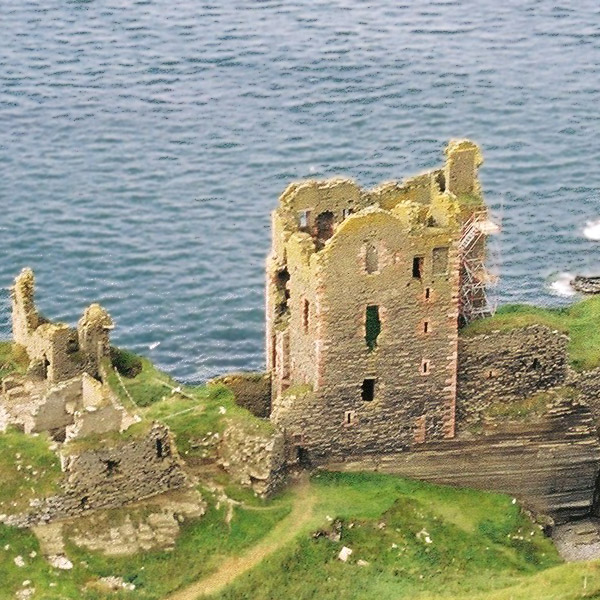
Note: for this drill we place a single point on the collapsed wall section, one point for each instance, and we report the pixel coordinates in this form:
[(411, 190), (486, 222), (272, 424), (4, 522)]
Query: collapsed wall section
[(254, 456), (109, 475)]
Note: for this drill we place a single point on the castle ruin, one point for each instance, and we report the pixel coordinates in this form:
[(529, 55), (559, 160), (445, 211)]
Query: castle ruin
[(365, 293), (64, 393)]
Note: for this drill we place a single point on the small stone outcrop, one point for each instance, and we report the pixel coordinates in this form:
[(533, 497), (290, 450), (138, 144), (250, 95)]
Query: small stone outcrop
[(254, 455), (252, 391)]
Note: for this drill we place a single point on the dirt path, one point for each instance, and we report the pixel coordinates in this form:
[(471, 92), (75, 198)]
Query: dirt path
[(280, 535)]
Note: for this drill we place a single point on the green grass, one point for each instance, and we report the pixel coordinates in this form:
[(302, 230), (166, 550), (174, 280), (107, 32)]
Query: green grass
[(197, 415), (148, 386), (28, 470), (581, 321), (482, 547), (479, 542), (13, 359)]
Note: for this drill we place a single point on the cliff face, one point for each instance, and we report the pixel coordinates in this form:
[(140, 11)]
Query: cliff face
[(550, 463)]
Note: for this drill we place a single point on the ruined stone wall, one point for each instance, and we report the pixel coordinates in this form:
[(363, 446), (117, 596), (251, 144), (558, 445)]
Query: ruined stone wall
[(252, 391), (25, 318), (254, 457), (55, 409), (56, 351), (110, 476), (505, 366)]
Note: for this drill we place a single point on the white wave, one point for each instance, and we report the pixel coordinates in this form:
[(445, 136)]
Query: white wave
[(592, 230), (561, 286), (154, 345)]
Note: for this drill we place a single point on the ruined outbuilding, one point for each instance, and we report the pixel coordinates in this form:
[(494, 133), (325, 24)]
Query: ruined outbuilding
[(107, 456)]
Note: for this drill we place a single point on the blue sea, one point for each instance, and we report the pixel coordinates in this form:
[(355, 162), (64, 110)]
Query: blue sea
[(144, 144)]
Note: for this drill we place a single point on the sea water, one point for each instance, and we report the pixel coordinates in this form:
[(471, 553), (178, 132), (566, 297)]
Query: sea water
[(144, 144)]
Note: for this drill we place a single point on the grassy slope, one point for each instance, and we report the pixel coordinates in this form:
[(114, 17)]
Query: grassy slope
[(580, 321), (481, 547), (472, 554), (28, 470)]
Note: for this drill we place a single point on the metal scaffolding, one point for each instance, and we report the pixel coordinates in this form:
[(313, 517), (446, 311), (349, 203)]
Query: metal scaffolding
[(474, 276)]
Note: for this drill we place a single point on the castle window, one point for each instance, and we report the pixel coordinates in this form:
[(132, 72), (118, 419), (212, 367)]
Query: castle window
[(427, 293), (417, 268), (325, 226), (441, 181), (368, 389), (425, 367), (72, 346), (283, 293), (440, 261), (535, 365), (372, 326), (349, 417), (305, 314), (371, 258), (303, 217), (112, 467), (426, 327), (160, 450), (346, 212)]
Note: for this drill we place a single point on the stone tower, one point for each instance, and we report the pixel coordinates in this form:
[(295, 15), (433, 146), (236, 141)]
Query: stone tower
[(363, 306)]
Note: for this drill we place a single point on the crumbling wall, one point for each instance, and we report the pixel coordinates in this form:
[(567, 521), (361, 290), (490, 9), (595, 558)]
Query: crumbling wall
[(98, 411), (118, 471), (505, 366), (252, 391), (56, 351), (253, 457), (93, 336), (25, 318)]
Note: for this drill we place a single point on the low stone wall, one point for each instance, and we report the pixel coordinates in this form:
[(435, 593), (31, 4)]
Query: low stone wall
[(110, 476), (253, 457), (505, 366), (252, 391), (549, 463)]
